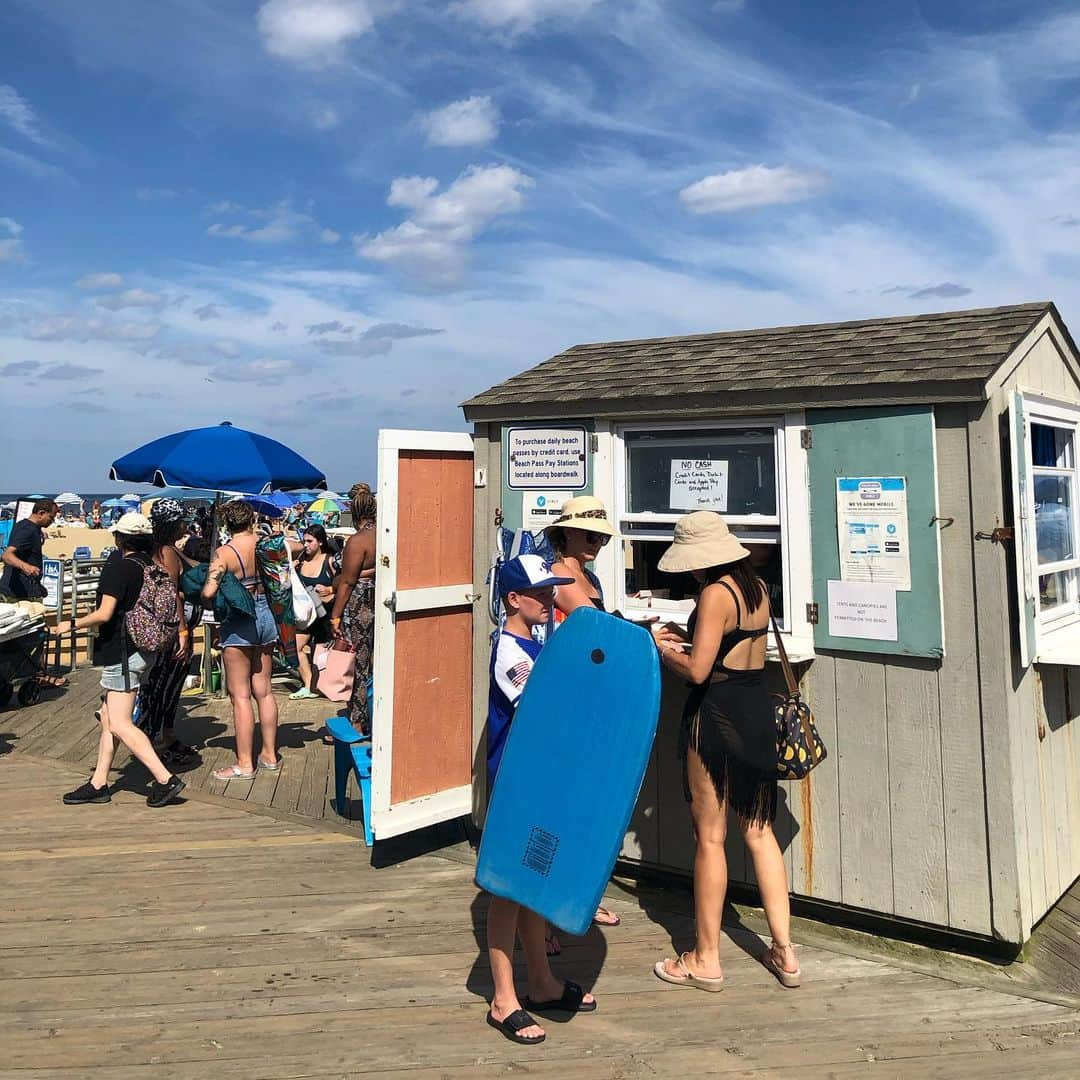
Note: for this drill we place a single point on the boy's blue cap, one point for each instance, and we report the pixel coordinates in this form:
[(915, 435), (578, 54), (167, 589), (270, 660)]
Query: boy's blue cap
[(527, 572)]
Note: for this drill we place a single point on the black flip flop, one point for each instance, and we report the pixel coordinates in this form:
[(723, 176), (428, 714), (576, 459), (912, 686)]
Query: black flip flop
[(572, 1001), (515, 1022)]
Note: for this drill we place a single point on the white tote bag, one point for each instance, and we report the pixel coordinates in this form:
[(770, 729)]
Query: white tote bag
[(303, 606)]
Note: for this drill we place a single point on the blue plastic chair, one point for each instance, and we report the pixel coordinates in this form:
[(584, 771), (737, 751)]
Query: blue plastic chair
[(82, 552), (352, 751)]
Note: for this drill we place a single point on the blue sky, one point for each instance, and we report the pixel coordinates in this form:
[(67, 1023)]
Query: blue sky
[(317, 218)]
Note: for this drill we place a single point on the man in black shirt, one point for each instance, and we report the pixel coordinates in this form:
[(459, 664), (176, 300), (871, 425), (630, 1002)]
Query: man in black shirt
[(22, 556)]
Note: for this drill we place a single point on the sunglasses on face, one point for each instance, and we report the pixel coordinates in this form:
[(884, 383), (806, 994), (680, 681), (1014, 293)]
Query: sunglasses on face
[(597, 538)]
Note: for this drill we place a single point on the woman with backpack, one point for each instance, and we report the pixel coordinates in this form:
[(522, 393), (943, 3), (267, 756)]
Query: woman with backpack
[(128, 582), (160, 694), (247, 645), (316, 566)]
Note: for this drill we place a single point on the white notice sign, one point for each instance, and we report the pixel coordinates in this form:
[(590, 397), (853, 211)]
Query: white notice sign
[(50, 580), (872, 527), (546, 458), (859, 609), (540, 508), (698, 484)]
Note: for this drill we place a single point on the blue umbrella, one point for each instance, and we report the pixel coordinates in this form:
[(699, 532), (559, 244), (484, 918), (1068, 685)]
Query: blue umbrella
[(224, 458), (119, 502), (262, 504)]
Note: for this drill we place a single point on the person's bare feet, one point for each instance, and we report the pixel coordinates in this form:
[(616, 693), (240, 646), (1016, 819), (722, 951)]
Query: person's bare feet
[(501, 1010)]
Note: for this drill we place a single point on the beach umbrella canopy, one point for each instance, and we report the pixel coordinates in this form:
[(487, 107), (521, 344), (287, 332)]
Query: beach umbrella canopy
[(324, 506), (224, 458), (261, 504), (68, 498), (118, 502)]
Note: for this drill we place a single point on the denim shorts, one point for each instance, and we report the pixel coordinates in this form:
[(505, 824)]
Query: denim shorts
[(139, 665), (245, 631)]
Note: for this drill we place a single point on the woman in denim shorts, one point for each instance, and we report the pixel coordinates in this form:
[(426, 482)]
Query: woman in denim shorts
[(125, 668), (247, 645)]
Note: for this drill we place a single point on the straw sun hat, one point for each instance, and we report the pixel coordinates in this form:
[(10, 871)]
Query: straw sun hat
[(584, 512), (702, 539)]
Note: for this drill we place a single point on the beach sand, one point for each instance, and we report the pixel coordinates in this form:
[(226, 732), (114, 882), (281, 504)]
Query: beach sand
[(62, 540)]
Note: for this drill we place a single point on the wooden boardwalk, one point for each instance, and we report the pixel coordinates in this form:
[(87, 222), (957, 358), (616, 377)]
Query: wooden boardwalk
[(61, 727), (242, 937)]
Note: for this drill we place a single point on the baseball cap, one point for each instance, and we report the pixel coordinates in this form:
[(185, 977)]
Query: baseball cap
[(527, 572), (133, 524)]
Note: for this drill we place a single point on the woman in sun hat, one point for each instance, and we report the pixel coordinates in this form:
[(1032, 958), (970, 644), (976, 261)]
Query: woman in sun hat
[(124, 666), (577, 535), (728, 742)]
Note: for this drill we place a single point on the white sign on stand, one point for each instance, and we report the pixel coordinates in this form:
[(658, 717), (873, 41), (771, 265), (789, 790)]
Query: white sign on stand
[(546, 458), (698, 484), (540, 508), (50, 580), (872, 527), (860, 609)]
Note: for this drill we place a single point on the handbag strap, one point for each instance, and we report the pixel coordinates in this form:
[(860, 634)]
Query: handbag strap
[(785, 663)]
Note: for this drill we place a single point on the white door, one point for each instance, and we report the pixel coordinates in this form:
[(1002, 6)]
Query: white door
[(421, 754)]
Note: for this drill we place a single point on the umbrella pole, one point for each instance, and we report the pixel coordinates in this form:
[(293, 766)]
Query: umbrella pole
[(208, 662)]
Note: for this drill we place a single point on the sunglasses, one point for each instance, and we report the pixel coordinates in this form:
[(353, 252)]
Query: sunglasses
[(597, 538)]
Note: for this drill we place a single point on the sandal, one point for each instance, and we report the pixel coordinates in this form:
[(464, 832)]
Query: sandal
[(233, 772), (302, 694), (43, 678), (262, 766), (772, 961), (603, 917), (514, 1023), (572, 1001), (177, 753), (687, 978)]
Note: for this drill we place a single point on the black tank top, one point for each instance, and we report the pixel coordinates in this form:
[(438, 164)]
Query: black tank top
[(731, 638)]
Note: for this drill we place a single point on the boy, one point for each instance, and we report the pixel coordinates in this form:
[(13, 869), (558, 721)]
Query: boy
[(527, 586)]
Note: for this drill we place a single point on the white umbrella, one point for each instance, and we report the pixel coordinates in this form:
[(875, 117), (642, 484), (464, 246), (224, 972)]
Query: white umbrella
[(68, 498), (131, 497)]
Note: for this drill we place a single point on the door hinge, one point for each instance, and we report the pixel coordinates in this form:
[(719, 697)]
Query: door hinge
[(594, 443), (812, 614), (1001, 534), (806, 438)]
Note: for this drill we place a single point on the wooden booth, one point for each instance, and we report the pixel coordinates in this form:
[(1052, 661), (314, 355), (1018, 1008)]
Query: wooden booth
[(910, 486)]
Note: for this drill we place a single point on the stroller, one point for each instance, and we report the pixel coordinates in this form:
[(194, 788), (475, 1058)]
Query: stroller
[(21, 662)]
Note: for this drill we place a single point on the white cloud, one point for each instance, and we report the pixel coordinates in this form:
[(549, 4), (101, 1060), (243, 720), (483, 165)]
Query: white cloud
[(100, 281), (473, 121), (10, 240), (757, 185), (281, 224), (432, 243), (132, 298), (16, 112), (519, 16), (312, 33), (263, 372), (325, 117), (77, 328)]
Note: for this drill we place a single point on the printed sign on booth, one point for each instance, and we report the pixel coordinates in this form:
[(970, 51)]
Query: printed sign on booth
[(547, 458), (872, 528)]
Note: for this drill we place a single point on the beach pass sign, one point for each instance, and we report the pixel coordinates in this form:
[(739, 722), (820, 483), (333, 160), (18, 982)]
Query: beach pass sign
[(547, 458)]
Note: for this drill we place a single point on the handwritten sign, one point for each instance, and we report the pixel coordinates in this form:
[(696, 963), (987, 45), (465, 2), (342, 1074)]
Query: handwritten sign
[(860, 609), (546, 458), (698, 484)]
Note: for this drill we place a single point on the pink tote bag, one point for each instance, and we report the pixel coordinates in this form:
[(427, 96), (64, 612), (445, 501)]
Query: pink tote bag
[(337, 668)]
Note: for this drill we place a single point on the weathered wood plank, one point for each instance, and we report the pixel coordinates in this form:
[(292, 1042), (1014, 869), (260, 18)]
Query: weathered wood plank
[(863, 769), (916, 799), (966, 853)]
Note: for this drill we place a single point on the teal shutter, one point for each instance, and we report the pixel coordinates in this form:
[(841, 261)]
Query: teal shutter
[(878, 442), (1023, 541)]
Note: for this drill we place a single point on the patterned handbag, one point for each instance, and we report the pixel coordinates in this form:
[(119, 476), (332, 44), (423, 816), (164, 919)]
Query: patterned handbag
[(798, 746)]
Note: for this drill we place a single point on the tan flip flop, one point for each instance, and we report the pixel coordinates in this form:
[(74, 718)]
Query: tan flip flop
[(790, 980), (688, 978)]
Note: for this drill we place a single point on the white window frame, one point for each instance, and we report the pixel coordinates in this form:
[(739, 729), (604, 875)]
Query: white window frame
[(792, 516), (1063, 618)]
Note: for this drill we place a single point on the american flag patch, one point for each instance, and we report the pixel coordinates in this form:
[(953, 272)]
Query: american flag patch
[(519, 673)]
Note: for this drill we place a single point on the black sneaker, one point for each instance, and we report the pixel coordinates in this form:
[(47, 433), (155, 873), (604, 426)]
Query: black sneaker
[(160, 794), (87, 793)]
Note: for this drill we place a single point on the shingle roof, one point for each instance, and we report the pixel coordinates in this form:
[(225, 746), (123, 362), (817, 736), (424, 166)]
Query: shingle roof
[(953, 347)]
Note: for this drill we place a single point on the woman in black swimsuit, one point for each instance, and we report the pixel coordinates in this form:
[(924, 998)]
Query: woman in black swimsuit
[(728, 742), (316, 570)]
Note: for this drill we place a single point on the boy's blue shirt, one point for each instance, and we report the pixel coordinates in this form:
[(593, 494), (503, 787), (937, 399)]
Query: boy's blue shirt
[(512, 659)]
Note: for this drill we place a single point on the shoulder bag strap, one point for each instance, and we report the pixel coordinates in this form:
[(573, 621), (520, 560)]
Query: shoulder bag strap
[(785, 663)]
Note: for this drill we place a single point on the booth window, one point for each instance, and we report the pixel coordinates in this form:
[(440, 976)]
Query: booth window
[(735, 469)]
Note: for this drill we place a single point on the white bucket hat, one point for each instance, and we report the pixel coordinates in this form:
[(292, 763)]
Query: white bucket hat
[(584, 512), (134, 524), (702, 540)]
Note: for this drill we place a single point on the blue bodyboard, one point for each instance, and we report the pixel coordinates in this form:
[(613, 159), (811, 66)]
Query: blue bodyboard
[(572, 769)]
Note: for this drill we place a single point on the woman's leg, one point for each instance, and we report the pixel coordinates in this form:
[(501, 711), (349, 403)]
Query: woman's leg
[(239, 661), (116, 718), (262, 688), (502, 925), (106, 748), (772, 882), (303, 657), (544, 985), (710, 870)]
